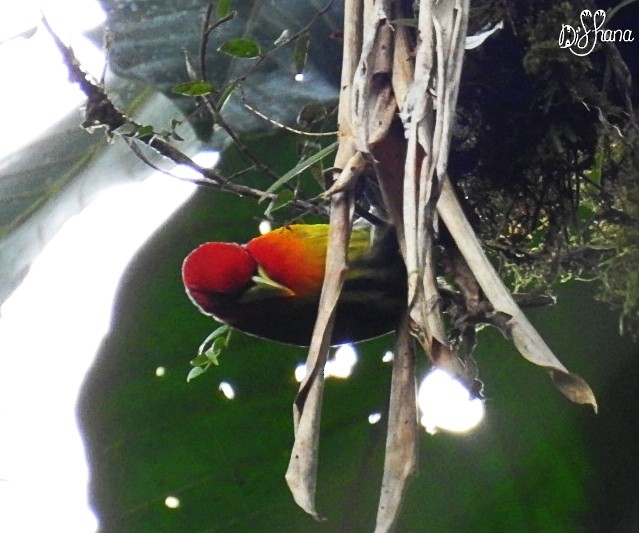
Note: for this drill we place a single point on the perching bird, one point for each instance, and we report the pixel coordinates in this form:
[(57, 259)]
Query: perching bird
[(270, 287)]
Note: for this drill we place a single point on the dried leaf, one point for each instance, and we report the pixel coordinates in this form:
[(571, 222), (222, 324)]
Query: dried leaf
[(301, 474), (373, 103), (525, 337), (400, 461), (402, 77), (348, 177), (574, 387)]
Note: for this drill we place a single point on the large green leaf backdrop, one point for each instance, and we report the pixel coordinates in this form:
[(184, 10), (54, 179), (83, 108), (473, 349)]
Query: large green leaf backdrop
[(538, 463)]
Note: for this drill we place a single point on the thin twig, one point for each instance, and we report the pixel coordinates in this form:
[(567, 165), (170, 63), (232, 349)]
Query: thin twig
[(288, 128), (207, 29), (101, 112), (267, 55), (210, 178)]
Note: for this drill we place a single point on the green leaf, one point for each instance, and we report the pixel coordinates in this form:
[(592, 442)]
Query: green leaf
[(143, 131), (195, 372), (301, 52), (242, 48), (212, 356), (302, 166), (193, 88), (226, 93), (222, 330), (200, 360), (283, 199), (223, 8)]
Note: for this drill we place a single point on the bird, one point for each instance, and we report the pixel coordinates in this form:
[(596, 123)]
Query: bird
[(270, 286)]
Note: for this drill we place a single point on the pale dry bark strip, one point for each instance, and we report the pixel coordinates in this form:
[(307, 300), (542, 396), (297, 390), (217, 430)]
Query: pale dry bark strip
[(373, 104), (400, 460), (428, 115), (374, 81), (301, 474)]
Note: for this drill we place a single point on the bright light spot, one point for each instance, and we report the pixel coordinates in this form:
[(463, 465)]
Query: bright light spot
[(160, 371), (185, 172), (299, 77), (265, 227), (17, 21), (172, 502), (373, 418), (207, 158), (447, 405), (62, 307), (388, 357), (53, 323), (38, 56), (227, 389), (300, 372), (74, 16), (342, 364)]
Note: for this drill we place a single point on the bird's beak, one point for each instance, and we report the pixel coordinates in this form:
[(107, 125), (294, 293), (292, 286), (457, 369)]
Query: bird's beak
[(265, 287)]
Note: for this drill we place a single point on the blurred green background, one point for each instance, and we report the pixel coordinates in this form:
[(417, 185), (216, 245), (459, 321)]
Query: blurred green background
[(537, 463)]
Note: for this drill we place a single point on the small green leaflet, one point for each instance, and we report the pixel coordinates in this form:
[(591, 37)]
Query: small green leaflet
[(302, 166), (200, 360), (282, 199), (195, 372), (209, 352), (193, 88), (210, 340), (143, 131), (301, 51), (242, 48), (226, 93), (223, 8)]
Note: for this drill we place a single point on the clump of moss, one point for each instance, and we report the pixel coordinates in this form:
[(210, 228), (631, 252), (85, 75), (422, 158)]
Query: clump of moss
[(544, 155), (618, 231)]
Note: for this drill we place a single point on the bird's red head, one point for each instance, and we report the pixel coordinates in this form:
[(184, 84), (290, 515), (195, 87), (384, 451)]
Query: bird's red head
[(216, 268)]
